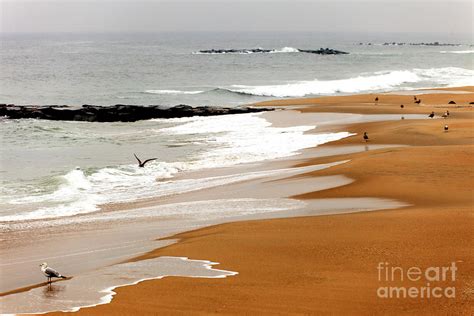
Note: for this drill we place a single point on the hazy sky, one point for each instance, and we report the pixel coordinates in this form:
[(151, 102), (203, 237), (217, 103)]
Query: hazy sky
[(443, 16)]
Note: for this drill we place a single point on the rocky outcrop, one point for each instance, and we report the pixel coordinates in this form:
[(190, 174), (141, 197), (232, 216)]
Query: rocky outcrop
[(321, 51), (411, 44), (115, 113), (235, 51)]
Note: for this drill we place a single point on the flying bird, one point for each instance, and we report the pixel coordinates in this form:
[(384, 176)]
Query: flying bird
[(431, 115), (142, 164), (50, 272), (366, 137)]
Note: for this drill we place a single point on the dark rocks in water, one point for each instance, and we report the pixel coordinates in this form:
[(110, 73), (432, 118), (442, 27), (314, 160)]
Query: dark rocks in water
[(235, 51), (434, 44), (116, 113), (321, 51), (451, 102), (393, 44), (413, 44)]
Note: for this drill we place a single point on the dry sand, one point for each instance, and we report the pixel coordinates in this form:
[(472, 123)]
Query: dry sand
[(328, 264)]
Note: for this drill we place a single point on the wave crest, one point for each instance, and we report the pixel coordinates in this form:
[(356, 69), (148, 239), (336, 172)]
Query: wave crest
[(174, 91), (378, 81), (457, 51)]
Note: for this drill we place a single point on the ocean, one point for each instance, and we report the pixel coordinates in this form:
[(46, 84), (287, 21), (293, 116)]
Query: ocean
[(53, 169)]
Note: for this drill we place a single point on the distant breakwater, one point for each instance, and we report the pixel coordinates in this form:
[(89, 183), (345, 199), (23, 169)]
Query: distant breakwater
[(116, 113), (321, 51), (411, 44)]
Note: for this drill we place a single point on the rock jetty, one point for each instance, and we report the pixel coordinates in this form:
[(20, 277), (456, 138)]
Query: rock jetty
[(116, 113)]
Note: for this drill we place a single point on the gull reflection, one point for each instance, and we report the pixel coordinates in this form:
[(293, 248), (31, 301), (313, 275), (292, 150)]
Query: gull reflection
[(53, 290)]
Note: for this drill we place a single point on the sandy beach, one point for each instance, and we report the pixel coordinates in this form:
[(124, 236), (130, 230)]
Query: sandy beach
[(328, 264), (236, 158)]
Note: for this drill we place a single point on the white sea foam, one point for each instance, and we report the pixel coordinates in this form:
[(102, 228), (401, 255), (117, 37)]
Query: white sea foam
[(286, 50), (97, 287), (378, 81), (174, 91), (228, 140), (471, 51), (248, 138), (210, 210), (83, 193), (447, 76)]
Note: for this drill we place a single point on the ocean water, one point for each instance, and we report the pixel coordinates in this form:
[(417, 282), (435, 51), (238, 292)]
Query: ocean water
[(54, 169), (163, 68), (70, 168)]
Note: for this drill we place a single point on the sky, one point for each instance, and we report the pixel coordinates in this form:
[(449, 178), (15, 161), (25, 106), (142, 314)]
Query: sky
[(421, 16)]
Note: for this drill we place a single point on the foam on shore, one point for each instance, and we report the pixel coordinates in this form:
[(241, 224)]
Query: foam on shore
[(226, 141), (97, 287)]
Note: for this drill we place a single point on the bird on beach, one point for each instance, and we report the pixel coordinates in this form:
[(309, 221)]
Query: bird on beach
[(142, 164), (376, 99), (446, 128), (366, 137), (50, 272), (402, 106), (432, 114), (445, 115), (418, 101), (414, 98)]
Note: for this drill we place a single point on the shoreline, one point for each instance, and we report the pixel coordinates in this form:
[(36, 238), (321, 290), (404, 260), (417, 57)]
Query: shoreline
[(136, 231), (205, 241), (127, 230), (358, 159)]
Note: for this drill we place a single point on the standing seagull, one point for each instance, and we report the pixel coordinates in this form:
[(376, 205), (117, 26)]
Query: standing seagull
[(431, 115), (50, 272), (446, 128), (142, 164), (376, 99), (418, 101), (366, 137)]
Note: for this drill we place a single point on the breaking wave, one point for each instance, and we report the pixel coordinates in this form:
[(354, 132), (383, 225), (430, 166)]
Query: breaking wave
[(286, 50), (457, 51), (228, 140), (377, 81), (174, 91)]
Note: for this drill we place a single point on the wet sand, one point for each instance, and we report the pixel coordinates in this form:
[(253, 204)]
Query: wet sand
[(87, 243), (328, 264)]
